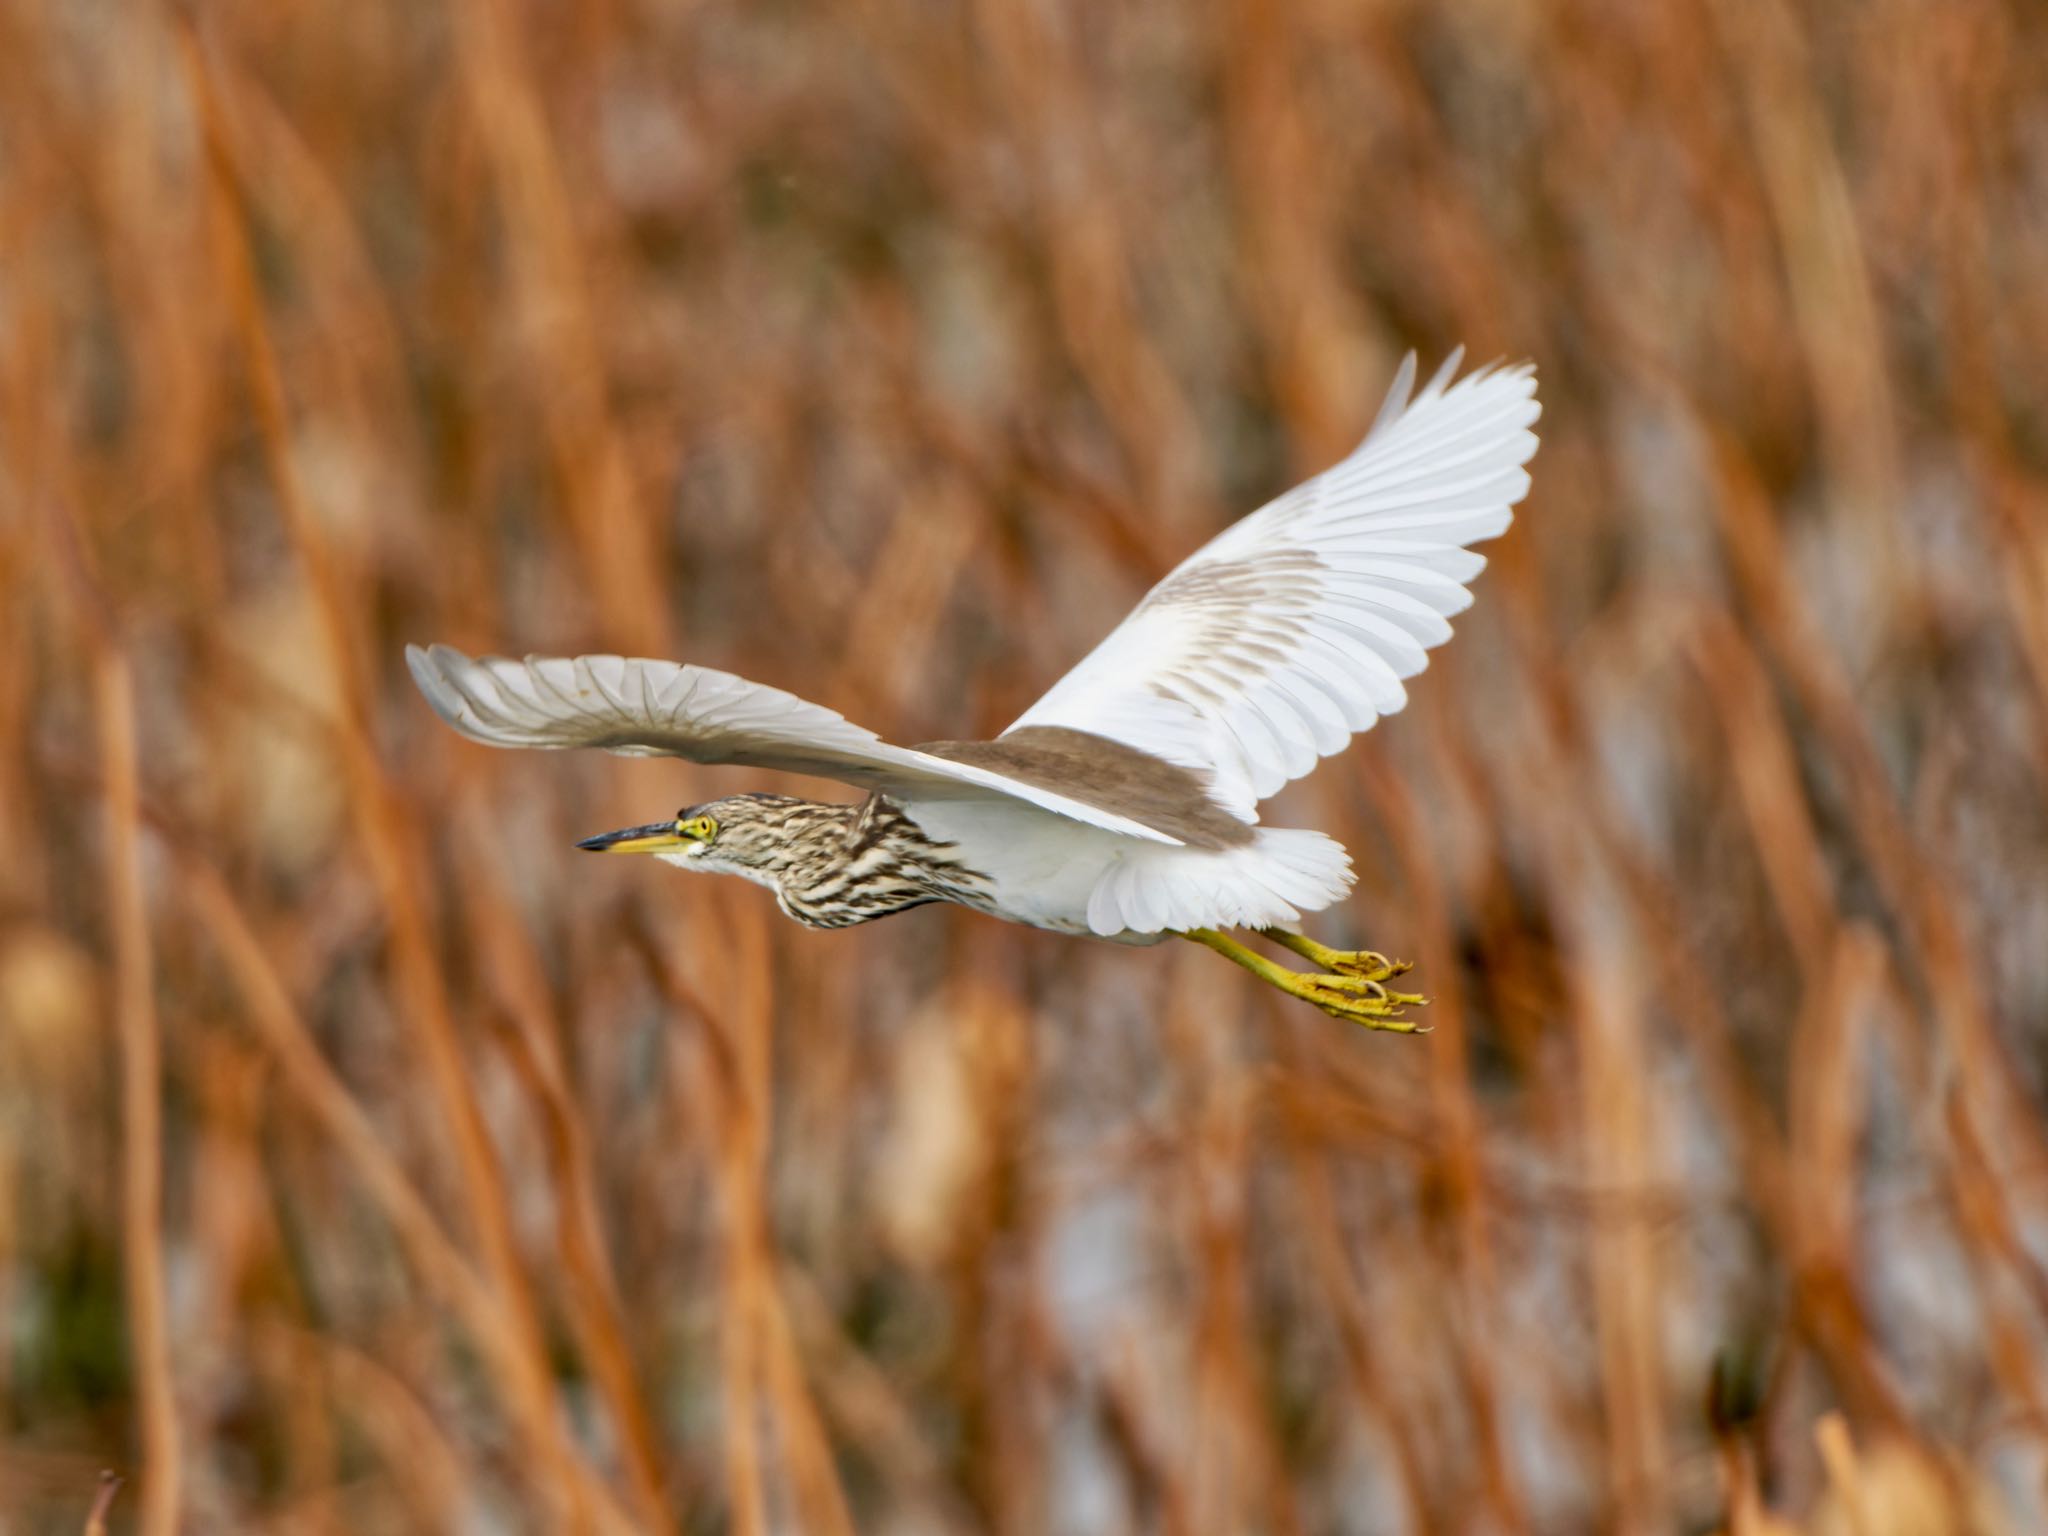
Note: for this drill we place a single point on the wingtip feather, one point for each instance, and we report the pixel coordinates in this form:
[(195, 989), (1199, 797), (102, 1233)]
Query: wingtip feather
[(1447, 371), (1396, 401)]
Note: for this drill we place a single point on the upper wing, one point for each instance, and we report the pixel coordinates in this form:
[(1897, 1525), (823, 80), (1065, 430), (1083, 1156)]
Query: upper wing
[(1291, 630), (658, 708)]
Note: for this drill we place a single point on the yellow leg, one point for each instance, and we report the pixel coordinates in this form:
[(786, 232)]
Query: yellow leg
[(1360, 998)]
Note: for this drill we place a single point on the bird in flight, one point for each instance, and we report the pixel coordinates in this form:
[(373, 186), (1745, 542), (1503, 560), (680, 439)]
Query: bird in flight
[(1123, 804)]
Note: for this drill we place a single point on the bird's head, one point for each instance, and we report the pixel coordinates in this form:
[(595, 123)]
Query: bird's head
[(741, 834)]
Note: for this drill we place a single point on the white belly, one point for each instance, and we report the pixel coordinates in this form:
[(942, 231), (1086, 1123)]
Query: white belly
[(1049, 872)]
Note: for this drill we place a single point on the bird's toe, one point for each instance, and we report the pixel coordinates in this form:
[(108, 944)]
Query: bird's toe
[(1367, 1003), (1369, 964)]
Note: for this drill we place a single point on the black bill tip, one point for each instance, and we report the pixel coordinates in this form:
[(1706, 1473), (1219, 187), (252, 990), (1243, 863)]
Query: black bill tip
[(648, 839)]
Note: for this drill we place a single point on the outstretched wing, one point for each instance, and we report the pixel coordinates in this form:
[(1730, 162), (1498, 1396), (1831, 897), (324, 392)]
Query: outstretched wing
[(661, 709), (1290, 631)]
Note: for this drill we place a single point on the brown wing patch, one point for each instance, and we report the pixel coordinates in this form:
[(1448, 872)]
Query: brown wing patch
[(1108, 776), (1248, 614)]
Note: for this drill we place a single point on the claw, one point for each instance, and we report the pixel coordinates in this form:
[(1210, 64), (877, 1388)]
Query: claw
[(1358, 1000), (1369, 963), (1368, 1014), (1346, 984), (1362, 986)]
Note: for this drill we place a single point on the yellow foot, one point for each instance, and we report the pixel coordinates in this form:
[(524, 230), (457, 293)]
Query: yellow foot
[(1367, 963), (1351, 985), (1356, 998)]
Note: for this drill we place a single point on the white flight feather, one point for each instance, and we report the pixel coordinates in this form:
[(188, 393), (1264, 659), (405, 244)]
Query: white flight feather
[(661, 708), (1293, 628)]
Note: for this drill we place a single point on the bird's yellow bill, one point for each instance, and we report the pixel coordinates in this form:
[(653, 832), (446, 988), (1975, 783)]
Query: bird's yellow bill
[(654, 839)]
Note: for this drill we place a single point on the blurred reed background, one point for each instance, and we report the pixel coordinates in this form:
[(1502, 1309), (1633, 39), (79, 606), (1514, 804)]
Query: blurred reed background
[(372, 1161)]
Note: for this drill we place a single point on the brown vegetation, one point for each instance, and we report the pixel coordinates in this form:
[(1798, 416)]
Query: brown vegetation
[(372, 1161)]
